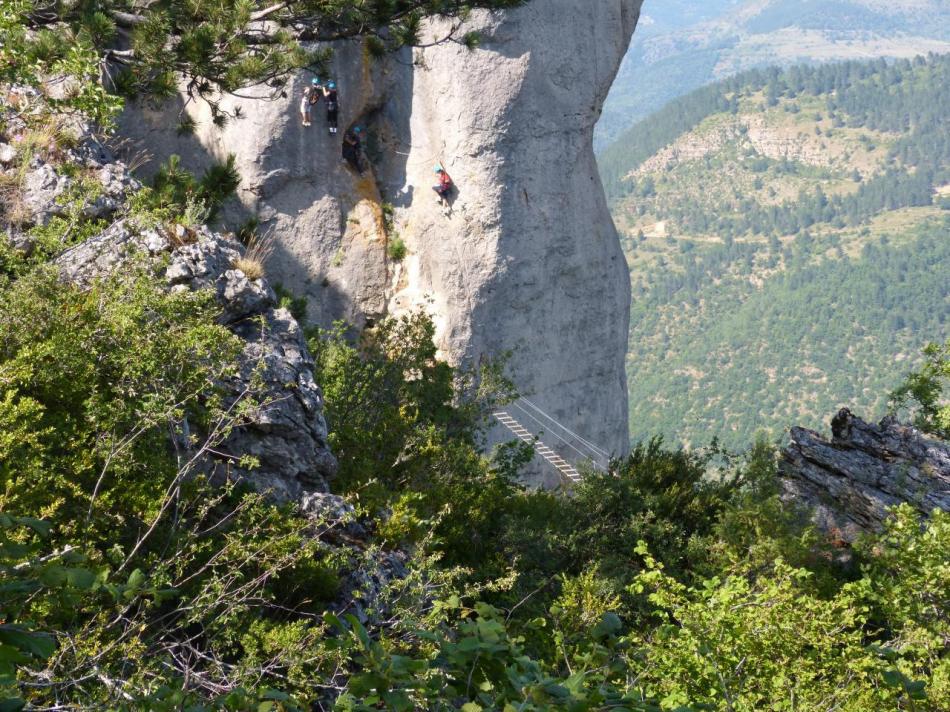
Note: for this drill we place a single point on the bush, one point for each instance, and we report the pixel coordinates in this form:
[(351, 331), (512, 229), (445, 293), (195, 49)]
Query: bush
[(297, 306), (174, 186), (396, 249), (923, 391)]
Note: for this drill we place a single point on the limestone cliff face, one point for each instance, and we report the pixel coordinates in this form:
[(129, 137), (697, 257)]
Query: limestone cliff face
[(526, 260)]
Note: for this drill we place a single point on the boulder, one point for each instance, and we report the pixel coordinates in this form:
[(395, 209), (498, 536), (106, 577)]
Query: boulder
[(849, 482), (45, 189), (42, 187)]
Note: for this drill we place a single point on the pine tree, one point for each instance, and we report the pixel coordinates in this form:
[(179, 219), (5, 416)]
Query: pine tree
[(221, 46)]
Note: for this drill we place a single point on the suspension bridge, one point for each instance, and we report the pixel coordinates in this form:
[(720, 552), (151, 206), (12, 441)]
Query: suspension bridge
[(553, 442)]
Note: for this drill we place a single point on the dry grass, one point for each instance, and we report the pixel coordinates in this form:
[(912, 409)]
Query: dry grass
[(16, 212), (13, 206), (179, 235), (252, 268), (259, 249), (130, 151), (48, 140)]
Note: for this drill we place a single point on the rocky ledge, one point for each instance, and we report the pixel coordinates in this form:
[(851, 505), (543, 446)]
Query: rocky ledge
[(286, 431), (849, 482)]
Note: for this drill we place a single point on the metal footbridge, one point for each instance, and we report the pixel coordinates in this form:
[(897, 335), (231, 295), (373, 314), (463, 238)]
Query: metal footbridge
[(560, 447)]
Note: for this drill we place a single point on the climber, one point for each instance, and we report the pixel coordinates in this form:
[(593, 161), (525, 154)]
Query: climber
[(352, 147), (444, 188), (305, 107), (333, 105), (316, 91)]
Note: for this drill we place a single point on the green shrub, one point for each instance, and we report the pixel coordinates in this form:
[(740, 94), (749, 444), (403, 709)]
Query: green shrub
[(297, 306), (923, 391), (396, 249), (174, 186)]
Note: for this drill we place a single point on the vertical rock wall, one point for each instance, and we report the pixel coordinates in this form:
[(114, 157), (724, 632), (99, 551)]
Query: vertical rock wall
[(321, 221), (526, 260)]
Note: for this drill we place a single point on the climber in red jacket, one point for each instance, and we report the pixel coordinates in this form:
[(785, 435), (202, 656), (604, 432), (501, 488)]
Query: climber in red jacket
[(444, 188)]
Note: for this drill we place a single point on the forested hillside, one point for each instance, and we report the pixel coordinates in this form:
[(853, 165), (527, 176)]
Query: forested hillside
[(683, 45), (787, 237)]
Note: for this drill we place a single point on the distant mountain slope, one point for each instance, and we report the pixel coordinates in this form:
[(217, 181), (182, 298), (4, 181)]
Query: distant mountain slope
[(789, 241), (683, 45)]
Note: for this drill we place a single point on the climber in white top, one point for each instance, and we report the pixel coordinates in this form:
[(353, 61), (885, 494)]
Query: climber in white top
[(311, 95), (305, 107)]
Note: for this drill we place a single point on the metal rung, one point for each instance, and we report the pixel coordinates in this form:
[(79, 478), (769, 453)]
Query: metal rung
[(549, 455)]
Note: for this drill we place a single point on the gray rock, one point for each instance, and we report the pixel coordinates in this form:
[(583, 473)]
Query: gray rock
[(849, 482), (333, 510), (525, 261), (243, 297), (365, 586), (107, 252), (286, 431), (7, 154), (42, 186)]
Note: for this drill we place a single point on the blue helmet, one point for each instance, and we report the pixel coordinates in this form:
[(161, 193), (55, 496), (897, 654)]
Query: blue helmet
[(357, 129), (331, 85), (315, 81), (438, 169)]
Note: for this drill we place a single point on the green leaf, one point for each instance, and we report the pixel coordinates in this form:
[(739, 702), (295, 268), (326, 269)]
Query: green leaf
[(610, 624), (12, 704), (10, 655), (333, 620), (893, 678), (136, 579), (39, 645), (40, 526), (81, 578)]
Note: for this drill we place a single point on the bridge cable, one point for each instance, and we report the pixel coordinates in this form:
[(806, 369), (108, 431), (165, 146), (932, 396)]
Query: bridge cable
[(593, 448)]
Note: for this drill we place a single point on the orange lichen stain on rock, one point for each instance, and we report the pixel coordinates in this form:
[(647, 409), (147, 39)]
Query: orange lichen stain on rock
[(368, 212)]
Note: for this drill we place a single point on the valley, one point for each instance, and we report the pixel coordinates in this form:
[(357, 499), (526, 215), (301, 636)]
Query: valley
[(787, 239), (682, 46)]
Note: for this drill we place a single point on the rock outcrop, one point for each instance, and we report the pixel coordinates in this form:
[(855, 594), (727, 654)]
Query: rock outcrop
[(286, 431), (849, 482), (40, 192), (526, 260)]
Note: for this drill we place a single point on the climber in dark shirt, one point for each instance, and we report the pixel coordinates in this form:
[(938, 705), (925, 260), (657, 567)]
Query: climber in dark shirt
[(333, 105), (352, 148), (316, 91)]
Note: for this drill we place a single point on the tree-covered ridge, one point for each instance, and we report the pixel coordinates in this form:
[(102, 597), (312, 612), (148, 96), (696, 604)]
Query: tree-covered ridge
[(777, 197), (682, 46), (737, 358), (902, 96)]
